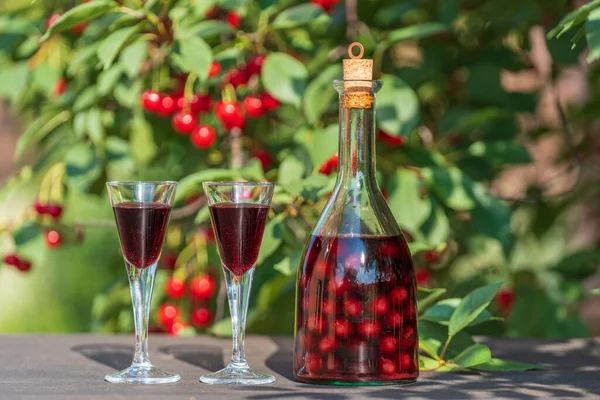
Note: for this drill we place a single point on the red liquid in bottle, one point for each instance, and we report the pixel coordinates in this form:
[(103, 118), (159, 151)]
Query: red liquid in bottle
[(239, 230), (357, 317), (142, 228)]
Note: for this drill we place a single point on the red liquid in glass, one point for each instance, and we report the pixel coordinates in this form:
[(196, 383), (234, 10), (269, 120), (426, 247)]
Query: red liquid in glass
[(239, 230), (357, 318), (142, 228)]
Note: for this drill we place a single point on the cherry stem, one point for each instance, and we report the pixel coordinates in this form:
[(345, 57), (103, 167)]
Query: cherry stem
[(445, 347), (188, 92)]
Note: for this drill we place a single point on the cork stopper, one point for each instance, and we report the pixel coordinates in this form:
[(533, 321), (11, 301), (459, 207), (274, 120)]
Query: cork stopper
[(357, 71)]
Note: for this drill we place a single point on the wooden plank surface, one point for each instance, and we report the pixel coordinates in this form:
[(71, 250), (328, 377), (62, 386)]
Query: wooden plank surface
[(73, 367)]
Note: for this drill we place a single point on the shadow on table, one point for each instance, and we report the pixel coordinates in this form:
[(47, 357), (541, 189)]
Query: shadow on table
[(117, 356), (281, 361), (204, 356), (567, 378)]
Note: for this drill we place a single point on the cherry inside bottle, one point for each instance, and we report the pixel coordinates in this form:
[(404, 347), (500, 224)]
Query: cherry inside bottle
[(365, 332)]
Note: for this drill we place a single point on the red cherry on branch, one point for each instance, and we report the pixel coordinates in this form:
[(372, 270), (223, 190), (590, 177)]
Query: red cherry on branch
[(176, 328), (184, 122), (214, 70), (53, 239), (253, 107), (167, 106), (203, 136), (175, 288), (79, 28), (254, 65), (151, 101), (432, 256), (54, 210), (423, 277), (269, 102), (39, 207), (11, 259), (201, 317), (264, 157), (236, 77), (201, 103), (23, 265), (52, 19), (505, 299), (230, 114), (203, 286), (391, 140), (60, 87), (167, 314), (233, 19)]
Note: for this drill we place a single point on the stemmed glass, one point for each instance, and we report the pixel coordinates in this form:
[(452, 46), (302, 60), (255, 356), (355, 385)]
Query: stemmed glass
[(142, 211), (238, 213)]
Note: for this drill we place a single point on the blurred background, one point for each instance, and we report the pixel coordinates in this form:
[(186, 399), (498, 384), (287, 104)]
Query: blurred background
[(487, 150)]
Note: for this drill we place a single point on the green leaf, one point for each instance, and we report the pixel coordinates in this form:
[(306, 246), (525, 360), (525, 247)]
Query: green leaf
[(108, 78), (25, 234), (194, 56), (80, 13), (417, 31), (82, 166), (426, 297), (320, 95), (397, 107), (427, 363), (141, 141), (94, 127), (38, 130), (13, 80), (291, 169), (321, 143), (436, 229), (297, 16), (272, 237), (474, 355), (578, 266), (501, 152), (442, 311), (592, 29), (310, 188), (133, 56), (204, 29), (432, 338), (83, 58), (471, 306), (109, 48), (289, 265), (86, 98), (405, 201), (498, 365), (492, 218), (222, 328), (284, 78), (595, 291), (192, 184), (451, 186)]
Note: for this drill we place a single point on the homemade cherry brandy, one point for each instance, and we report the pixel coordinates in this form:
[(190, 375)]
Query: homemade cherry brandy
[(356, 316)]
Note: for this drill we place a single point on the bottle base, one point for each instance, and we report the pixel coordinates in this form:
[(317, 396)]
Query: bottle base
[(341, 382)]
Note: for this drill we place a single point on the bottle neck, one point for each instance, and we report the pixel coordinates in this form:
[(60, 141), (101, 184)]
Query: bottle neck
[(356, 162)]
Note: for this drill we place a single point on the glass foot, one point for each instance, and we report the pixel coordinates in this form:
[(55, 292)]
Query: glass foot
[(146, 374), (237, 376)]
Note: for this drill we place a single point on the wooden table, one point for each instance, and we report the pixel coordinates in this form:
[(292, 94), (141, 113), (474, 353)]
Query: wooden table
[(73, 367)]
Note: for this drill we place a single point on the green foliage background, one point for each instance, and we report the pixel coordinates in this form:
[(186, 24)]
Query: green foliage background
[(441, 64)]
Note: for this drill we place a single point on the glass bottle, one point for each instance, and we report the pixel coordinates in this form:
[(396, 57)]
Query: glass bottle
[(356, 316)]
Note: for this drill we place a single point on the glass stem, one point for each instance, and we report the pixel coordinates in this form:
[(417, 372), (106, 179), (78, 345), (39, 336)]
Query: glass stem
[(238, 292), (141, 283)]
